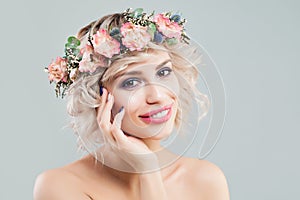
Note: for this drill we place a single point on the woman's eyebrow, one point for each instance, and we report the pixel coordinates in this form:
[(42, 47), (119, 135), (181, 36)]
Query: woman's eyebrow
[(128, 73), (131, 73), (163, 63)]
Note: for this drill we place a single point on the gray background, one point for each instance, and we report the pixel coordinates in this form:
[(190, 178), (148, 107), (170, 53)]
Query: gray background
[(255, 44)]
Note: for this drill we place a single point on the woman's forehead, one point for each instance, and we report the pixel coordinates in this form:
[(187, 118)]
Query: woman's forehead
[(152, 58)]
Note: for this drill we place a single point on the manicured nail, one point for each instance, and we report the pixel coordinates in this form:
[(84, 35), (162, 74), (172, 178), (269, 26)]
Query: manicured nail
[(101, 90), (122, 108), (109, 97)]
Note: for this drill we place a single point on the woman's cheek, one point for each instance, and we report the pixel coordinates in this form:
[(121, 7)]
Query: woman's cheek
[(173, 86), (119, 101), (125, 99)]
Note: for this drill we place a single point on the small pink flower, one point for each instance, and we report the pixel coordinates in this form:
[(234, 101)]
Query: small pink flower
[(135, 37), (104, 44), (167, 27), (57, 70), (90, 61), (86, 64)]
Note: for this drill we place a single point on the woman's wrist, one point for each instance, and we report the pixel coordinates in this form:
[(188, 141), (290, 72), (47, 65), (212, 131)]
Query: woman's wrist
[(146, 163)]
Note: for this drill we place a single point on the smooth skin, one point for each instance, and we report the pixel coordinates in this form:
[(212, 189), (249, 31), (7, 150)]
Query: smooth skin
[(86, 179)]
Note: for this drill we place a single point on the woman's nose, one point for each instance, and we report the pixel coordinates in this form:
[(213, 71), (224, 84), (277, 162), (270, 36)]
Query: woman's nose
[(154, 93)]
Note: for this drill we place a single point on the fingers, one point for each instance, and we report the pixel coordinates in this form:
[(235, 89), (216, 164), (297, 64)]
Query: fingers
[(102, 104), (112, 132), (106, 112), (118, 118), (117, 133), (104, 115)]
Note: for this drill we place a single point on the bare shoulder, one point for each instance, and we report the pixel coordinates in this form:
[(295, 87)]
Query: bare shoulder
[(203, 169), (59, 184), (207, 178)]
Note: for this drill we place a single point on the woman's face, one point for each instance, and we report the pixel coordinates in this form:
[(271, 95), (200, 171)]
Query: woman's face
[(148, 91)]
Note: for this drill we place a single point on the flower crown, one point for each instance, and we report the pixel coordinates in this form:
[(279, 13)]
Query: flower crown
[(135, 34)]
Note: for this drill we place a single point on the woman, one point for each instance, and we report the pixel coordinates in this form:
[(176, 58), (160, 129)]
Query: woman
[(129, 78)]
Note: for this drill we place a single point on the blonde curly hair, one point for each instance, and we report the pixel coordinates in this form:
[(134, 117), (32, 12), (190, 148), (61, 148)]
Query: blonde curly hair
[(83, 95)]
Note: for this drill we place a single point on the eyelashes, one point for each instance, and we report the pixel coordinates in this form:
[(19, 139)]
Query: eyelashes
[(165, 71), (132, 82)]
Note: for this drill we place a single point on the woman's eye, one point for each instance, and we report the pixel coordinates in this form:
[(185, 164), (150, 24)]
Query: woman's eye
[(164, 71), (130, 83)]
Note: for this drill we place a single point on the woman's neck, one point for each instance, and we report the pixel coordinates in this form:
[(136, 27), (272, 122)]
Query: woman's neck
[(132, 180)]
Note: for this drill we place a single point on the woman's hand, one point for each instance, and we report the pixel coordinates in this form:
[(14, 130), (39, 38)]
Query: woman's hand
[(130, 149)]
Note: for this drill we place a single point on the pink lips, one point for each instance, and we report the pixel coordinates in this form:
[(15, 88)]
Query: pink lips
[(150, 117)]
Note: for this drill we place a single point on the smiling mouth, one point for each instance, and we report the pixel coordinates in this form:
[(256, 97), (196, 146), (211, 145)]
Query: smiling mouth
[(160, 114), (157, 116)]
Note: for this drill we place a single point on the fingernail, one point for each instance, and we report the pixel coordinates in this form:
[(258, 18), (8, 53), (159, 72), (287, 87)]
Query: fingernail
[(101, 90), (122, 108), (109, 97)]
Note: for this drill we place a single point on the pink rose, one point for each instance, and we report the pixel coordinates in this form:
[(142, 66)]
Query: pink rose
[(90, 62), (104, 44), (57, 70), (167, 27), (86, 64), (135, 37)]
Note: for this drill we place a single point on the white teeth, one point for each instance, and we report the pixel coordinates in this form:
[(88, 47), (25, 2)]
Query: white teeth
[(160, 114)]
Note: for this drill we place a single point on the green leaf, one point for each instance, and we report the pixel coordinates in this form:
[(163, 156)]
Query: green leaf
[(151, 29), (171, 41), (73, 40), (76, 52), (138, 12), (70, 45)]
